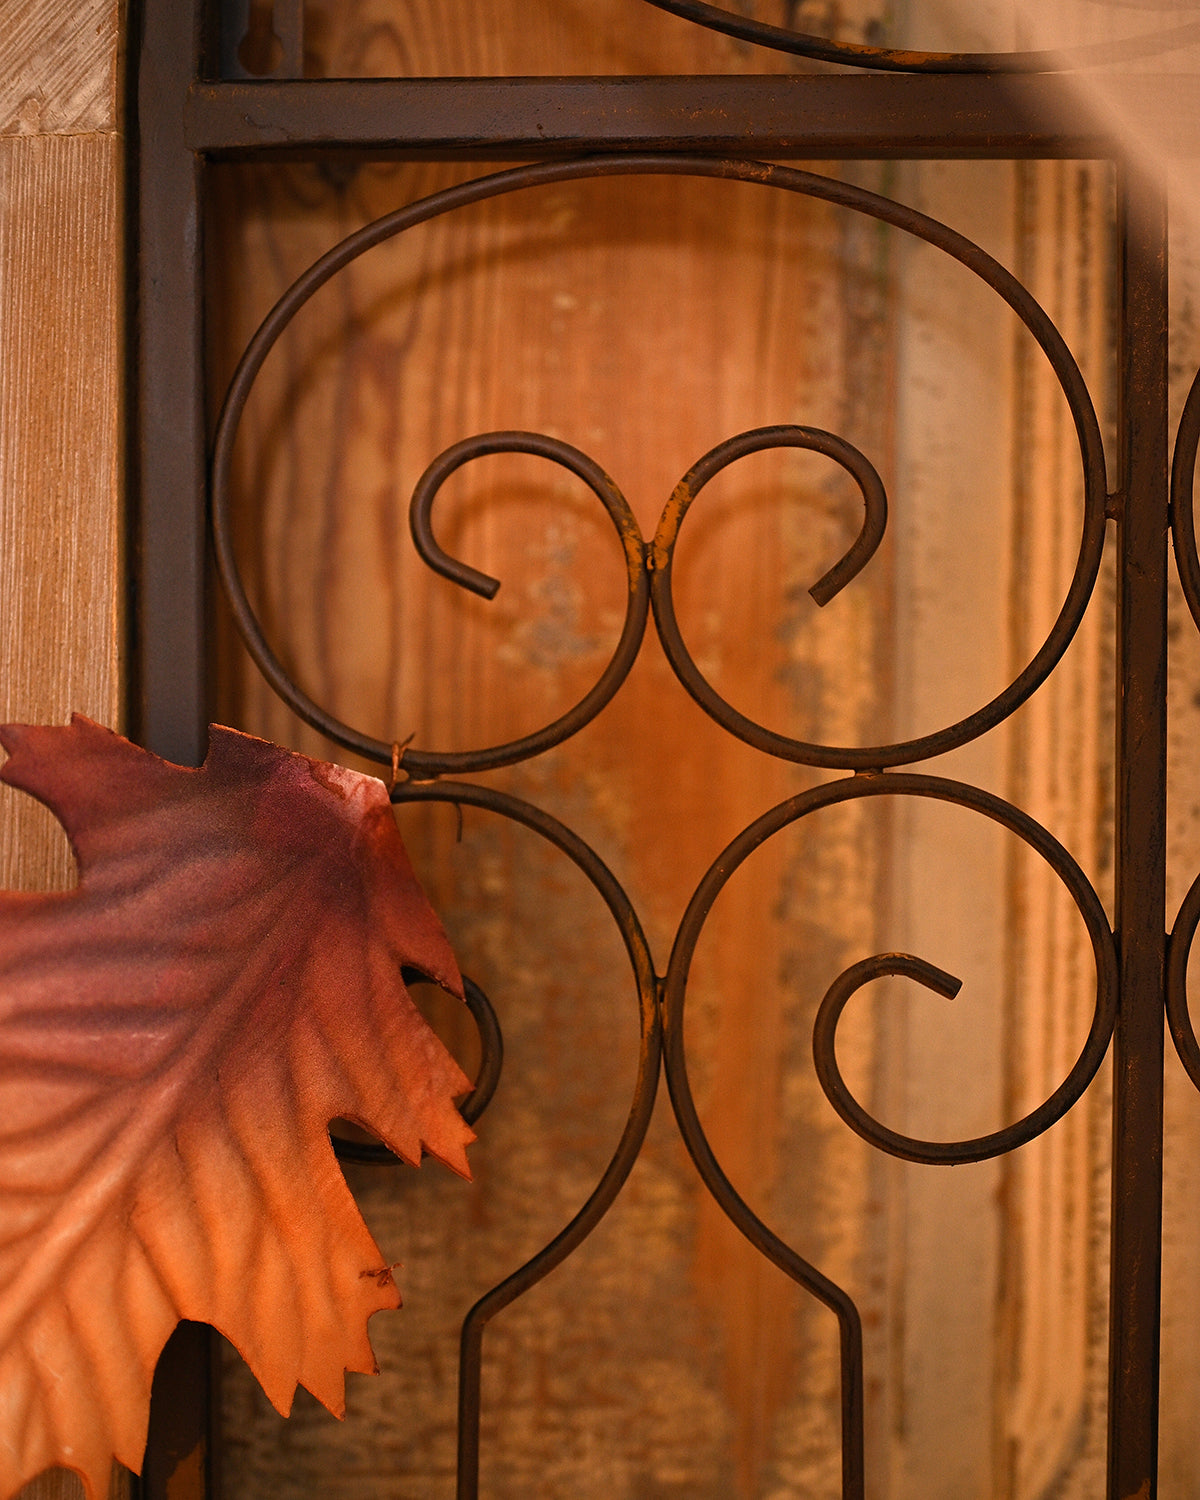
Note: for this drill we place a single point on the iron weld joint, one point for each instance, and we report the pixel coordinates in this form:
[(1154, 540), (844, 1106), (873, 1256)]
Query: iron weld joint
[(1114, 505), (411, 778)]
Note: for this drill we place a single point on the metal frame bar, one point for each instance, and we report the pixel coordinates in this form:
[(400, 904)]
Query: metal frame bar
[(167, 388), (184, 119), (774, 115), (1141, 769)]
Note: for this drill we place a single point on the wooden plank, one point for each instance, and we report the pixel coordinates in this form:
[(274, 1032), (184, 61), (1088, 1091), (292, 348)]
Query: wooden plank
[(59, 73), (59, 462), (59, 453), (60, 432)]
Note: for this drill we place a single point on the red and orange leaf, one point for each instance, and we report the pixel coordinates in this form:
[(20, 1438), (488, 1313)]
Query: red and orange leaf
[(175, 1036)]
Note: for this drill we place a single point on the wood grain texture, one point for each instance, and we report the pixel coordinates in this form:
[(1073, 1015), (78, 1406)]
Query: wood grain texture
[(59, 456), (1052, 1319), (1179, 1451), (59, 71), (475, 37), (60, 363)]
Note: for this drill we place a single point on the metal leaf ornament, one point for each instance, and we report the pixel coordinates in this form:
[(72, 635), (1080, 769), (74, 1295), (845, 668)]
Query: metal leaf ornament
[(175, 1036)]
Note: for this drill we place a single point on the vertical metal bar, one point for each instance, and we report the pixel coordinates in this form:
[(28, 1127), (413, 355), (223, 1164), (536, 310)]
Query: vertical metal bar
[(168, 452), (1134, 1298), (167, 473), (180, 1455)]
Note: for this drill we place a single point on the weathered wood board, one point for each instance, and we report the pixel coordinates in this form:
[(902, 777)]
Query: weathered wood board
[(61, 588)]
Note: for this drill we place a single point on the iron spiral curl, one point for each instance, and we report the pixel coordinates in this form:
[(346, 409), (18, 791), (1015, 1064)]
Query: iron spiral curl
[(731, 1202), (854, 788)]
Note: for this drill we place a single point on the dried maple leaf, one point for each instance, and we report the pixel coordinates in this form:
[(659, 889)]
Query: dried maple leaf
[(175, 1036)]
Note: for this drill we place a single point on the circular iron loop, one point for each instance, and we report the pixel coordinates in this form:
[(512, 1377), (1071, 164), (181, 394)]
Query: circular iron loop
[(1179, 948), (569, 1238), (491, 1062), (848, 789), (896, 60), (1183, 516), (790, 179)]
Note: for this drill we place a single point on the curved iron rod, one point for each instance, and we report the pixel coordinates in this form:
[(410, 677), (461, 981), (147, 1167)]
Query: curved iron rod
[(896, 60), (960, 794), (824, 1048), (758, 440), (541, 446), (641, 1107), (1183, 518), (679, 1086), (1183, 534), (1179, 948)]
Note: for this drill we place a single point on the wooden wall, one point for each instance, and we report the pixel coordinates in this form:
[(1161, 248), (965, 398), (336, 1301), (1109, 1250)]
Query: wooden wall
[(60, 428)]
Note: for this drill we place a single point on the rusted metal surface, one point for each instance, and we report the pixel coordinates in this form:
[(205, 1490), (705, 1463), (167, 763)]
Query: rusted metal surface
[(666, 126), (167, 388), (805, 116), (1141, 721)]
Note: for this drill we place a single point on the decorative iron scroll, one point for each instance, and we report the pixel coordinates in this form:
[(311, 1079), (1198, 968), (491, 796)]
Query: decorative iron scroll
[(649, 570), (657, 558)]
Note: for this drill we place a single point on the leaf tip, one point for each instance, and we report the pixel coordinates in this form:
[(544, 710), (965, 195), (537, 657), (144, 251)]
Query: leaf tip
[(454, 1154)]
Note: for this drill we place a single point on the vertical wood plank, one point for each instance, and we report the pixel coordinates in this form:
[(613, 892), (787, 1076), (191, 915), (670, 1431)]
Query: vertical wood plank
[(59, 447), (60, 427)]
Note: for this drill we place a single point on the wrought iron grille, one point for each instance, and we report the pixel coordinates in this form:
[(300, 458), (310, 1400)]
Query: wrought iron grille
[(195, 105)]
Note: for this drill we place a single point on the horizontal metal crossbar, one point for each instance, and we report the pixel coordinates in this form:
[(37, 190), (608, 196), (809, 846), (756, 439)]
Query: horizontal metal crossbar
[(807, 116)]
